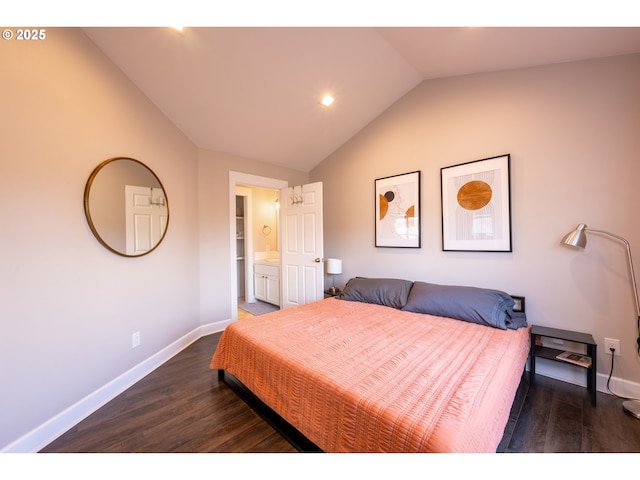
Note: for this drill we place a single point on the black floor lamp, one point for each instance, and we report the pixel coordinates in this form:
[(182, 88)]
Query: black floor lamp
[(578, 238)]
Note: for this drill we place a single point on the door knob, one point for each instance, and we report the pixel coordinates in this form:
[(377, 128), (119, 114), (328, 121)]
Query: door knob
[(318, 260)]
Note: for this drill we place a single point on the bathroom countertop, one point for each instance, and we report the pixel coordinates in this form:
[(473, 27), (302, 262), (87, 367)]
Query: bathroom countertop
[(267, 261)]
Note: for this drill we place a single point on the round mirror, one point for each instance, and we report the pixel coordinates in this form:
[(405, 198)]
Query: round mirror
[(126, 207)]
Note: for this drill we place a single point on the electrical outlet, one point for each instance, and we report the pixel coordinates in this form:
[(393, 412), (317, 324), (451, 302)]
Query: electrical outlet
[(610, 343), (135, 340)]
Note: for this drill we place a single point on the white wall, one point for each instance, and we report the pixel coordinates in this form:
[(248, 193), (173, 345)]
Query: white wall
[(68, 306), (572, 132)]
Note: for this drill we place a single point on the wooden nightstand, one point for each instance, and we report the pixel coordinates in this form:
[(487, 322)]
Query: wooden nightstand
[(538, 351)]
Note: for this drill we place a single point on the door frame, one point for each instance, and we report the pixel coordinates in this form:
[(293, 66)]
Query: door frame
[(244, 179)]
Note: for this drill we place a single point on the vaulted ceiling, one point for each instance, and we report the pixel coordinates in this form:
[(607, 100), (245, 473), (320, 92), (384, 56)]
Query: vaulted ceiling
[(255, 92)]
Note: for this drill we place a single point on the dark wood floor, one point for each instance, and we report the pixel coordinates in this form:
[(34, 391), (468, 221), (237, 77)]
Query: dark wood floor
[(182, 407)]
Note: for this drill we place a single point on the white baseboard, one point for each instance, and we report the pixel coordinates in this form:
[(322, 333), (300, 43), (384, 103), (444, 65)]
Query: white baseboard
[(44, 434)]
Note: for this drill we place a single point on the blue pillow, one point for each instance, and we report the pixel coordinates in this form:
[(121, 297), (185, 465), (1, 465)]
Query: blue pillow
[(471, 304), (390, 292)]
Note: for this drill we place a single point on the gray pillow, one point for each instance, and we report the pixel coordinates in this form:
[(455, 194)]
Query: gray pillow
[(391, 292), (471, 304)]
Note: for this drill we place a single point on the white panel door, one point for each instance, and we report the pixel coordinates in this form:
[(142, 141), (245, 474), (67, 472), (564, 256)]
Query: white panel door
[(302, 249), (146, 216)]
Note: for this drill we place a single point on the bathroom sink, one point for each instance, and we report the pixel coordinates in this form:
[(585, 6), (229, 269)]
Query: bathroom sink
[(268, 260)]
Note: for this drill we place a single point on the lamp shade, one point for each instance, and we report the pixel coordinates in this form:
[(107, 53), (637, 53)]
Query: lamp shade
[(576, 238), (334, 266)]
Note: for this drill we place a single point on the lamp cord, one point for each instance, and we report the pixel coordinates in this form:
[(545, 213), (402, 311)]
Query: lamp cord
[(613, 351), (638, 339), (610, 374)]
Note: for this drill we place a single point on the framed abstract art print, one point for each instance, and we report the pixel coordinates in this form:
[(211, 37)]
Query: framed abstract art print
[(397, 210), (476, 206)]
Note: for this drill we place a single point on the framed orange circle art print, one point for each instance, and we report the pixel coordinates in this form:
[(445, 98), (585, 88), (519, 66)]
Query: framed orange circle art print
[(476, 206)]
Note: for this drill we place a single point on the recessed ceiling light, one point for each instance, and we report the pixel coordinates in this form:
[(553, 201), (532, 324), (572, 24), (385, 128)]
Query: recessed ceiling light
[(327, 100)]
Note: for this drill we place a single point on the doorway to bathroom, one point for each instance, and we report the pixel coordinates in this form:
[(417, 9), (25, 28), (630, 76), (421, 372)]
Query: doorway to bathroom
[(299, 264), (257, 237), (254, 229)]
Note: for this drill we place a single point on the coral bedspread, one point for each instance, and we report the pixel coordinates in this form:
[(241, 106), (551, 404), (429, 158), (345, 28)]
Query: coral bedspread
[(358, 377)]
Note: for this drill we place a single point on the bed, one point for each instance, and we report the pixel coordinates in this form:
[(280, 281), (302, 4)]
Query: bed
[(386, 367)]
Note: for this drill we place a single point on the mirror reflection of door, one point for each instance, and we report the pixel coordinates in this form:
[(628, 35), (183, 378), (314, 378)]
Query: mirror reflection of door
[(146, 216)]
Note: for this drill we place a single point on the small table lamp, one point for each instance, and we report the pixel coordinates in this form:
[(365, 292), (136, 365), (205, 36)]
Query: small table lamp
[(334, 267)]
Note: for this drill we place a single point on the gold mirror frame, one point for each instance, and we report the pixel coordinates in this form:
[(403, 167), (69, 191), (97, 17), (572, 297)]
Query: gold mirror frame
[(106, 213)]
